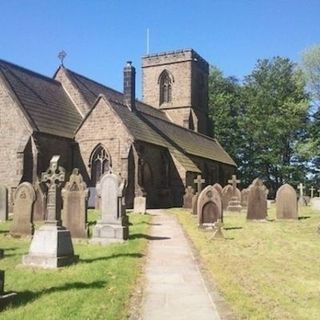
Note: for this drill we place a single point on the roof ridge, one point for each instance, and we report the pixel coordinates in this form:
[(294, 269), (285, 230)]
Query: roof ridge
[(23, 69), (96, 82)]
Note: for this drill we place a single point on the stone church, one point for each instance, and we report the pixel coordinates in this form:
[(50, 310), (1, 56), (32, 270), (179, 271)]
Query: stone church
[(159, 145)]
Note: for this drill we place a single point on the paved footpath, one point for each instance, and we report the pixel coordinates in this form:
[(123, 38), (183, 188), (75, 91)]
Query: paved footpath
[(175, 289)]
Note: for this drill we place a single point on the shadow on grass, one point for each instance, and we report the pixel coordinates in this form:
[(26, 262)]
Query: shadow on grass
[(232, 228), (91, 223), (27, 296), (150, 224), (4, 231), (304, 217), (104, 258), (146, 236)]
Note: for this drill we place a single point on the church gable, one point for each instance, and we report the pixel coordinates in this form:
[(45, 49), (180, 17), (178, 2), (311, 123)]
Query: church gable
[(102, 127)]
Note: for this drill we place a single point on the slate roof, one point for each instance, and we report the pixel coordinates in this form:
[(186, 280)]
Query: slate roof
[(43, 100), (153, 126)]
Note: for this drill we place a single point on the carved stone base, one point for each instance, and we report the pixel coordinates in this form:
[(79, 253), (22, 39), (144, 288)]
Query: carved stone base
[(234, 205), (51, 247), (109, 233)]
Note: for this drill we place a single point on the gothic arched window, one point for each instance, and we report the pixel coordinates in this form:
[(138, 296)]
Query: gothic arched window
[(99, 163), (165, 84)]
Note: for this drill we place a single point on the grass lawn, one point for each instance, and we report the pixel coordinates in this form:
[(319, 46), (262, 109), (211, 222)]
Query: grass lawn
[(98, 287), (264, 270)]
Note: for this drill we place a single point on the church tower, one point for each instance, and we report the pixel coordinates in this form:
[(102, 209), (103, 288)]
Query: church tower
[(177, 83)]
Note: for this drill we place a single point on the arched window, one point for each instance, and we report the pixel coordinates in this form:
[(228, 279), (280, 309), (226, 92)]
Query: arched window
[(99, 163), (165, 84)]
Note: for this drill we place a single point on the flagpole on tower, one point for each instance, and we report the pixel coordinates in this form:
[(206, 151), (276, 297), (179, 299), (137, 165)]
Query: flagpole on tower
[(148, 41)]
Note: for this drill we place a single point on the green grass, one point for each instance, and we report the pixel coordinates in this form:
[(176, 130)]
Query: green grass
[(98, 287), (264, 270)]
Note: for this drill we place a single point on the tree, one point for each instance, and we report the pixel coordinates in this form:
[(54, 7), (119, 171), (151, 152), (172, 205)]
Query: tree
[(311, 67), (263, 122)]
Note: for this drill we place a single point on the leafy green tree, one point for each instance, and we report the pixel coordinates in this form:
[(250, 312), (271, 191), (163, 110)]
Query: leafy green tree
[(263, 122)]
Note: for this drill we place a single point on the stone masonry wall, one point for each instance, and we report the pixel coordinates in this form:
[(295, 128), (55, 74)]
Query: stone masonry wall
[(15, 133), (102, 126)]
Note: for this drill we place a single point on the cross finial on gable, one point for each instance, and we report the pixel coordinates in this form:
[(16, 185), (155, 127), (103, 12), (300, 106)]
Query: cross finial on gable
[(62, 54)]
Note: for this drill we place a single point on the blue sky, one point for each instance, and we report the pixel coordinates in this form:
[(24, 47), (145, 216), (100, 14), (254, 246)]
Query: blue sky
[(99, 36)]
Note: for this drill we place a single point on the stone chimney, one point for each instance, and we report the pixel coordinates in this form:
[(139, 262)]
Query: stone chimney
[(129, 85)]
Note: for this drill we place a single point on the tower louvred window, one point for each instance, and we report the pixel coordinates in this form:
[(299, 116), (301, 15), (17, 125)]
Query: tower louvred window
[(165, 88)]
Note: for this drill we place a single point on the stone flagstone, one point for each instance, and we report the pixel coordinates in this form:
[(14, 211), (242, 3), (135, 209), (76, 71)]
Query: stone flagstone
[(257, 201), (187, 198), (113, 226), (286, 203), (174, 286), (75, 196), (24, 199), (51, 246), (209, 207), (3, 203)]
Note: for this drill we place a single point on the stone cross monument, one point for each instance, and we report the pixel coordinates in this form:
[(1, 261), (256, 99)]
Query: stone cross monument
[(199, 182), (312, 189), (301, 199), (51, 246), (234, 203)]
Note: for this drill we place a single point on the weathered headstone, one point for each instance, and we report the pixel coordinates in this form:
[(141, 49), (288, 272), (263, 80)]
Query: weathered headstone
[(227, 194), (219, 188), (40, 205), (187, 198), (286, 203), (75, 196), (244, 197), (113, 226), (3, 203), (315, 203), (194, 202), (24, 199), (234, 204), (257, 201), (140, 204), (301, 201), (209, 207), (51, 246)]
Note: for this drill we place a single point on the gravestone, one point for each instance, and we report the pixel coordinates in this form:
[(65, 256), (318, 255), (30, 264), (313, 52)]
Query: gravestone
[(209, 207), (194, 202), (219, 188), (312, 189), (315, 203), (140, 204), (244, 197), (24, 199), (227, 194), (234, 204), (302, 202), (40, 205), (257, 201), (286, 203), (75, 196), (187, 198), (51, 246), (113, 226), (3, 203)]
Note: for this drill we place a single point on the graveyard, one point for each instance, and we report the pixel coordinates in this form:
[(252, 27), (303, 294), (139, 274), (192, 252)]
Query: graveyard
[(265, 270), (97, 287)]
